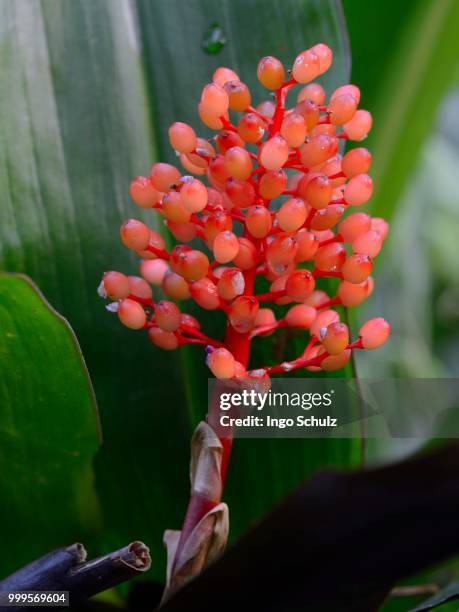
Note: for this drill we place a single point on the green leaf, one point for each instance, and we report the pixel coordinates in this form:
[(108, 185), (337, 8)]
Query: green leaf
[(88, 91), (48, 429), (405, 84)]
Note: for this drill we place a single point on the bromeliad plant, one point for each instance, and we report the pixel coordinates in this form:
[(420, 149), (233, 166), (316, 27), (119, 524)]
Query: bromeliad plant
[(277, 186)]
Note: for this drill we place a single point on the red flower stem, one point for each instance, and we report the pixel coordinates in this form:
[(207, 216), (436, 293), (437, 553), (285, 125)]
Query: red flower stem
[(271, 296), (336, 238), (161, 253), (281, 95), (227, 125), (266, 329), (310, 217), (326, 274), (192, 331), (199, 506), (302, 362), (296, 364), (144, 301), (336, 301)]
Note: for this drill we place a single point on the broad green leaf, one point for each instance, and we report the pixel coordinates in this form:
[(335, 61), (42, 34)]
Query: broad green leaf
[(406, 81), (49, 431), (88, 91)]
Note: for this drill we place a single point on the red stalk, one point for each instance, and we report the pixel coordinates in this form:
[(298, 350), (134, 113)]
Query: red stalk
[(198, 505)]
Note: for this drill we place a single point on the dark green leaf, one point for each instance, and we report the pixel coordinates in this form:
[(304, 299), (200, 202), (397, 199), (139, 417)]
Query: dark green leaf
[(405, 81), (48, 429)]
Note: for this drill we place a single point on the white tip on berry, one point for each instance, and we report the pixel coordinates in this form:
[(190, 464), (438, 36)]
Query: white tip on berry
[(101, 291), (112, 307)]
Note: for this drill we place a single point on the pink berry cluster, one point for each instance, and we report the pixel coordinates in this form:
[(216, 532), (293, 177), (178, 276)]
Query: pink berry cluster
[(276, 216)]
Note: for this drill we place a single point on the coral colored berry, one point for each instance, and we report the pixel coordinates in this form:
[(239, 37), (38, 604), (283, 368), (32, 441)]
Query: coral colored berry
[(270, 72), (242, 313), (306, 66), (162, 339), (204, 292), (258, 221), (116, 285), (374, 333), (335, 338), (163, 176), (131, 314), (167, 316), (274, 153), (222, 363), (182, 137), (225, 247), (292, 215), (135, 234), (143, 193), (301, 315), (231, 284)]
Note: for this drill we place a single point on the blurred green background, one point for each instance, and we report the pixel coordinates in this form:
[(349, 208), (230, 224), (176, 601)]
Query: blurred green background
[(87, 90)]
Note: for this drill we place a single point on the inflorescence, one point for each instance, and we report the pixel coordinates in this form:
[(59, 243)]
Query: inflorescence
[(275, 211)]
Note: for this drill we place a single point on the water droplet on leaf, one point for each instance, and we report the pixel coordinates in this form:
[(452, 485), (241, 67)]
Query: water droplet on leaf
[(214, 39)]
